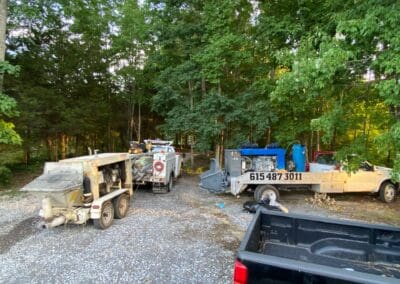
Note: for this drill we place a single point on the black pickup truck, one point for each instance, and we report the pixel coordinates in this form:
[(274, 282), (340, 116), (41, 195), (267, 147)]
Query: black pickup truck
[(288, 248)]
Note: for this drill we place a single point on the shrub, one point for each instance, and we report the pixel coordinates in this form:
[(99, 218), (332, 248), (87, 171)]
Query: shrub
[(5, 175)]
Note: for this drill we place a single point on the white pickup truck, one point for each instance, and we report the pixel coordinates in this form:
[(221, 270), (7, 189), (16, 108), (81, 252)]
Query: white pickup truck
[(158, 167)]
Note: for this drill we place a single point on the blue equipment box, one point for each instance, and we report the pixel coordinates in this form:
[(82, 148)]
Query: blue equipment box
[(279, 153)]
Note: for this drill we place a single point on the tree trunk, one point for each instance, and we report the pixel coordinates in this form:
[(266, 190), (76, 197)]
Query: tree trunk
[(221, 149), (217, 152), (220, 144), (3, 25), (132, 125), (76, 145), (139, 135), (203, 86), (56, 148), (191, 108), (64, 145), (27, 156), (49, 146), (311, 149)]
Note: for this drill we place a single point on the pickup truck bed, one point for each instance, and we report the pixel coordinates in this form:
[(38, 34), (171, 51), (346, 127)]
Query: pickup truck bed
[(289, 248)]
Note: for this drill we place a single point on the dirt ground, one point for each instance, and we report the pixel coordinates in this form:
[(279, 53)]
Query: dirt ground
[(357, 206)]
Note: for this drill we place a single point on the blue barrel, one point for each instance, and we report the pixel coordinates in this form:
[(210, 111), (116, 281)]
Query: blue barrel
[(299, 157)]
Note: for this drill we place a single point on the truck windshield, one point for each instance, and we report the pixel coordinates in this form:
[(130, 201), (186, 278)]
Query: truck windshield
[(326, 159), (162, 148)]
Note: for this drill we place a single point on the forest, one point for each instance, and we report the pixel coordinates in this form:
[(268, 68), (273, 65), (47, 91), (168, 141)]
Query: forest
[(215, 74)]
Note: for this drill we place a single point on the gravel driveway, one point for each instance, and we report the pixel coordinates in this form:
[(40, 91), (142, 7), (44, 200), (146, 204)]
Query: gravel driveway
[(180, 237)]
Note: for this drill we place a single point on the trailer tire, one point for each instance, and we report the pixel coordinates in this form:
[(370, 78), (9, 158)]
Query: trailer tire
[(387, 192), (266, 190), (106, 216), (121, 206)]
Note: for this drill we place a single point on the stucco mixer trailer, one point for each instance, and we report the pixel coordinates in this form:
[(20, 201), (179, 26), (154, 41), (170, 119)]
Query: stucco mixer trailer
[(97, 187)]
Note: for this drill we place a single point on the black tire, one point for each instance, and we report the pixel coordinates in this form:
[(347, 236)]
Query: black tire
[(388, 192), (266, 190), (121, 206), (106, 216), (170, 183)]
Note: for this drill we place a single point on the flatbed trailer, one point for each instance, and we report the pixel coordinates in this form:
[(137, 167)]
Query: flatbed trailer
[(323, 182), (237, 178)]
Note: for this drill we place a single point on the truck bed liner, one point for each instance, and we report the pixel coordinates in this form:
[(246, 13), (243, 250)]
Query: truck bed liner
[(323, 246)]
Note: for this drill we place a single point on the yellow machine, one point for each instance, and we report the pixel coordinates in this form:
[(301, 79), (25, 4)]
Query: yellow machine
[(97, 187)]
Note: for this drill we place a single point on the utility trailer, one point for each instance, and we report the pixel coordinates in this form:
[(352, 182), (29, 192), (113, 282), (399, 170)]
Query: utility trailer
[(97, 187), (263, 171), (290, 248), (157, 167)]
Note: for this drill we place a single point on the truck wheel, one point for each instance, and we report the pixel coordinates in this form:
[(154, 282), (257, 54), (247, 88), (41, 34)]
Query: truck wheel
[(170, 184), (387, 192), (121, 206), (265, 191), (106, 216)]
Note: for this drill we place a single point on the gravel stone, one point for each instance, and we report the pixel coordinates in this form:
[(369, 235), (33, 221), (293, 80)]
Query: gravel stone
[(179, 237)]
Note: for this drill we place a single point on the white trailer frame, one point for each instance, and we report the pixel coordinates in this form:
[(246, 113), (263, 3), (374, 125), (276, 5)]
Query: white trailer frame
[(336, 181)]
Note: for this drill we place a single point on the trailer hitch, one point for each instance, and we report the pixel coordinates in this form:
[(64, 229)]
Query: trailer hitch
[(268, 203)]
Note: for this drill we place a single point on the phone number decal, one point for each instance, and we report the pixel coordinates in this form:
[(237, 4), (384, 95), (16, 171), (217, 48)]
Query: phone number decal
[(275, 176)]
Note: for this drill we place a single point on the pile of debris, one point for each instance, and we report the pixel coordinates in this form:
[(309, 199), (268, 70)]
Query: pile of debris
[(322, 200)]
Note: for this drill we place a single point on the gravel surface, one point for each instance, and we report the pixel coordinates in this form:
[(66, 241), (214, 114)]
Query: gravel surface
[(180, 237), (186, 236)]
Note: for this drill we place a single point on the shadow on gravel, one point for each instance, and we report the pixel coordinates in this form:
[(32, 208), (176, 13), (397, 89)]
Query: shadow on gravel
[(21, 231)]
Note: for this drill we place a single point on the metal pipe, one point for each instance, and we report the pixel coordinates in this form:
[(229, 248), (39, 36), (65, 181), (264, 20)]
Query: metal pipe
[(47, 209)]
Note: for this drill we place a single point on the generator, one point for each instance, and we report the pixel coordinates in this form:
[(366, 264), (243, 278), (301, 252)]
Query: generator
[(239, 161)]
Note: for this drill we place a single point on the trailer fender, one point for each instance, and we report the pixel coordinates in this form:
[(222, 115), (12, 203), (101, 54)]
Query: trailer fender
[(396, 184), (95, 210)]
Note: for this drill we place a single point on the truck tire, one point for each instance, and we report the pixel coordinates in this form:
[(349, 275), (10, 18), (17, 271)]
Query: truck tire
[(264, 191), (387, 192), (106, 216), (121, 206)]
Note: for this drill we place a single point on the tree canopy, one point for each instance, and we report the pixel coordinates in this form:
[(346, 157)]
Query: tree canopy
[(100, 73)]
